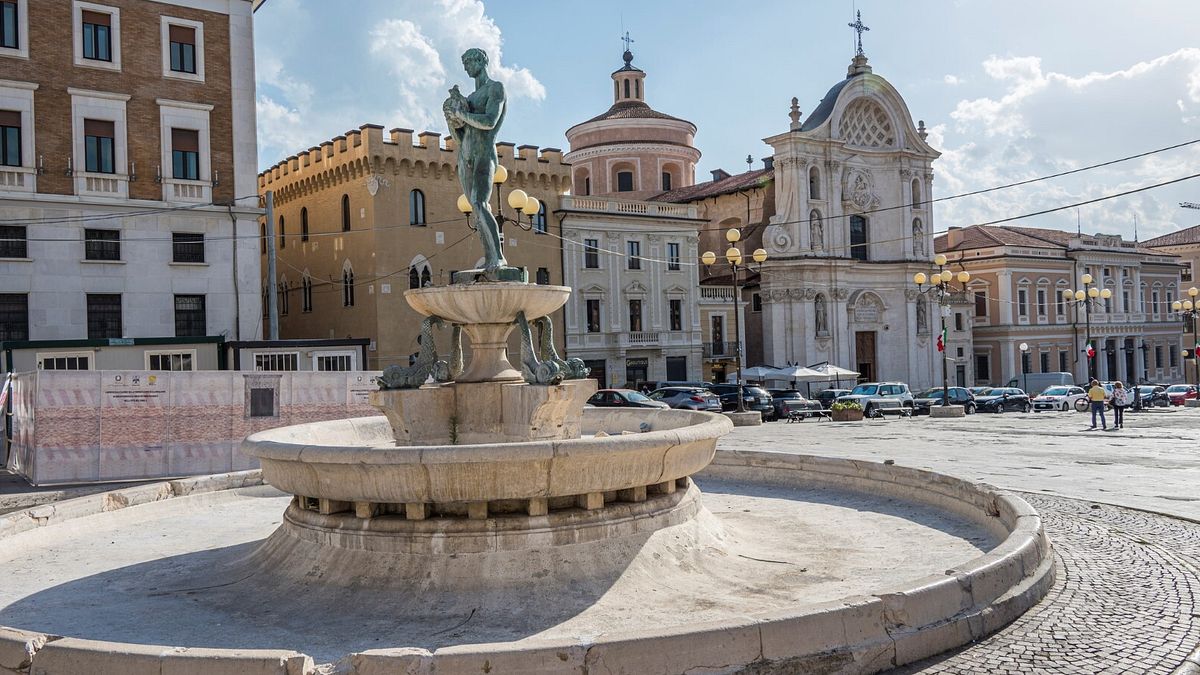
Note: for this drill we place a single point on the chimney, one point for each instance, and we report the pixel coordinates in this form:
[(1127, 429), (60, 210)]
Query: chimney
[(768, 162), (719, 174), (954, 237)]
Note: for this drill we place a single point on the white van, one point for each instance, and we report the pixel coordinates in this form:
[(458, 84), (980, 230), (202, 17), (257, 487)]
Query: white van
[(1036, 383)]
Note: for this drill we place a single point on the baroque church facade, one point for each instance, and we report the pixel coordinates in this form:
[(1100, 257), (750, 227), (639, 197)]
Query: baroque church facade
[(853, 222)]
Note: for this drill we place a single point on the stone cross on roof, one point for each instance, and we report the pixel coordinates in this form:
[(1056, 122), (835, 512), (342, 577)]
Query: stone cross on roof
[(860, 29), (627, 40)]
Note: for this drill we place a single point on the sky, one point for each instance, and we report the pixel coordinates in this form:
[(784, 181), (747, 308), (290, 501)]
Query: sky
[(1009, 90)]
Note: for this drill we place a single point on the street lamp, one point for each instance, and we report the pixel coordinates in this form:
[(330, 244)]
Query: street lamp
[(517, 199), (1189, 309), (939, 283), (1086, 297), (1024, 347), (733, 256)]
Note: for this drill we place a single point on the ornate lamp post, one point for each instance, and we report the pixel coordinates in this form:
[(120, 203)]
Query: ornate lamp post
[(1024, 347), (1085, 298), (733, 257), (939, 285), (1189, 309), (517, 199)]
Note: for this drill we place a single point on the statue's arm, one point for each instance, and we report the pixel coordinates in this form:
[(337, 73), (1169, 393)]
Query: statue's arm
[(488, 119)]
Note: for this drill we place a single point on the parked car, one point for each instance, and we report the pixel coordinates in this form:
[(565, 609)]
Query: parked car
[(1003, 399), (688, 398), (1179, 393), (1061, 397), (623, 398), (755, 397), (931, 397), (788, 401), (977, 391), (877, 398), (828, 396), (1152, 395)]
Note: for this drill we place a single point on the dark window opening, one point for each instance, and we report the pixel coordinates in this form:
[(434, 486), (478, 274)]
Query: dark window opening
[(14, 316), (624, 181), (626, 88), (190, 317), (591, 254), (416, 208), (676, 368), (185, 154), (593, 316), (983, 368), (672, 256), (103, 315), (345, 213), (543, 276), (98, 146), (981, 305), (304, 224), (102, 244), (97, 36), (183, 49), (858, 237), (282, 233), (414, 278), (666, 181), (306, 294), (262, 402), (539, 219), (634, 249), (10, 138), (348, 288), (587, 186), (9, 37), (187, 247), (635, 316), (12, 242), (676, 306)]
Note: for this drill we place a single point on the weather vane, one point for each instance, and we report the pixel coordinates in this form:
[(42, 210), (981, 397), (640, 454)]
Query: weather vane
[(860, 29)]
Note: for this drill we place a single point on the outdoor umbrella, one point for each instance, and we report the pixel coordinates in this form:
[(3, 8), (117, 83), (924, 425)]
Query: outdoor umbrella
[(800, 374), (758, 373), (835, 373)]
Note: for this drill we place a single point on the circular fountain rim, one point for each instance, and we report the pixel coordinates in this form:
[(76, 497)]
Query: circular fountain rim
[(891, 627)]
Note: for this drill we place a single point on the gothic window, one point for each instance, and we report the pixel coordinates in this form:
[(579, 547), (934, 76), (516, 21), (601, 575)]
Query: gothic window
[(426, 278), (414, 277), (814, 183), (345, 213), (866, 124), (304, 224), (306, 293), (416, 208), (858, 237), (347, 285)]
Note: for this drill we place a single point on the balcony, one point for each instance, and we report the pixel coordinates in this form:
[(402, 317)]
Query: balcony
[(609, 205), (720, 350), (716, 293), (643, 339), (191, 191), (16, 179)]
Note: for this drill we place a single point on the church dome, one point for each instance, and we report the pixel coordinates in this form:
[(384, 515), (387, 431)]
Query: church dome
[(631, 147)]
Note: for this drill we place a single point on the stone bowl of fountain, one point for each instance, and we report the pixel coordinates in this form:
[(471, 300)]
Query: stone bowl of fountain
[(499, 525)]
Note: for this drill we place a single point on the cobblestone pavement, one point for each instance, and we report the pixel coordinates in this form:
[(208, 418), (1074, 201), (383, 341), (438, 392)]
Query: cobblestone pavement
[(1126, 600)]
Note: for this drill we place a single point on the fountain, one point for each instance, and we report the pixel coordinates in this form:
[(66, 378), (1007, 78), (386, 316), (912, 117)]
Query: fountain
[(489, 522)]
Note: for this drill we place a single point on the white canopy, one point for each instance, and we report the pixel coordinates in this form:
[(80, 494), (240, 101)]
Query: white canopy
[(799, 373), (758, 373)]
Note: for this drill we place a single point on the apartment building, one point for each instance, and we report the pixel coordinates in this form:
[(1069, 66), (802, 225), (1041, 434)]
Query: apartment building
[(127, 195), (1018, 275), (365, 216)]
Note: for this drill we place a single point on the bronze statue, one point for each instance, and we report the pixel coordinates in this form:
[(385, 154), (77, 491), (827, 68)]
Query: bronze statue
[(474, 122)]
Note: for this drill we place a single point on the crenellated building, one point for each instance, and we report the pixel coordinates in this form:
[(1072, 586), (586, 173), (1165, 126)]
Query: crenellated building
[(365, 216)]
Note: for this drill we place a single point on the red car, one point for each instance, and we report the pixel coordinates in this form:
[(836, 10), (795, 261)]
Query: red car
[(1179, 393)]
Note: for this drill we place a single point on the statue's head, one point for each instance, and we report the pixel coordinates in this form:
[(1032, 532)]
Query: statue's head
[(475, 61)]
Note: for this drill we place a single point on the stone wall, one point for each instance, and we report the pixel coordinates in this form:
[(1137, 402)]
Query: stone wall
[(84, 426)]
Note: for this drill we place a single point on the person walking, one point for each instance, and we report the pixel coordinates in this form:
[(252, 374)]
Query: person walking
[(1097, 394), (1120, 402)]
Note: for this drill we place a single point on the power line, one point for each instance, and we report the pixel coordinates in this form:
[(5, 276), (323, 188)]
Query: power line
[(130, 213)]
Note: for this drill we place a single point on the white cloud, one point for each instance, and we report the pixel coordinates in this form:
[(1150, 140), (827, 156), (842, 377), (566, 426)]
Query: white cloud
[(952, 80), (1040, 122)]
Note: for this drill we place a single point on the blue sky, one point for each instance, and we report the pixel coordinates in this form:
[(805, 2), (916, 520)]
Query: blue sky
[(1010, 90)]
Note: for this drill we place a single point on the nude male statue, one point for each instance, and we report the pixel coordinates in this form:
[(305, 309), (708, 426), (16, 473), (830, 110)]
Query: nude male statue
[(474, 122)]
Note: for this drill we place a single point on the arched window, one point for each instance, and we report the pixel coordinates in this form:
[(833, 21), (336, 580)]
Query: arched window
[(426, 277), (814, 183), (416, 208), (347, 285), (916, 193), (283, 297), (858, 237), (262, 238), (345, 213), (306, 293), (304, 224), (626, 88), (414, 277), (282, 234), (637, 89), (539, 220)]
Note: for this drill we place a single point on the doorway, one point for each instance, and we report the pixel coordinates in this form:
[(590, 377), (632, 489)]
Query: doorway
[(1130, 371), (864, 352)]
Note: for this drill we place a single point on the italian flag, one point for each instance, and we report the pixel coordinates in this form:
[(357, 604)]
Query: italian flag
[(1091, 351), (941, 341)]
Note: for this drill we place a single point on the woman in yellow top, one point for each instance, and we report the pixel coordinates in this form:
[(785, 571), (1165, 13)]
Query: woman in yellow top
[(1097, 394)]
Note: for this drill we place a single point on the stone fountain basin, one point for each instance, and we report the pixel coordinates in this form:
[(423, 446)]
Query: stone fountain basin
[(358, 460), (489, 303)]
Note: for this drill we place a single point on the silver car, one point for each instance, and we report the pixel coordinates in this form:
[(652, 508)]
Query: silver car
[(688, 398)]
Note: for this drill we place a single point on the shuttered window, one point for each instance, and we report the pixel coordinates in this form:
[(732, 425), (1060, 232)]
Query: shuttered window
[(10, 138), (97, 36), (183, 49), (185, 154), (98, 142)]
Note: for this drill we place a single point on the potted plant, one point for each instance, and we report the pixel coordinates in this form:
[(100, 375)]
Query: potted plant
[(847, 411)]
